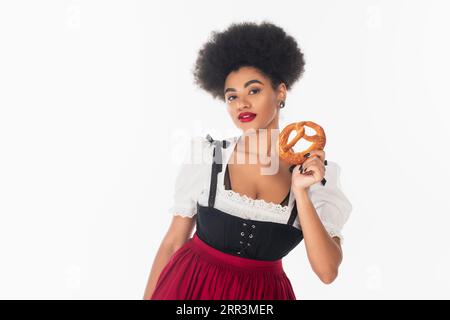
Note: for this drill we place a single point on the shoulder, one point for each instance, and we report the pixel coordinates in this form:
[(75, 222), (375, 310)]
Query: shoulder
[(332, 175), (197, 150), (332, 192), (330, 201), (334, 171)]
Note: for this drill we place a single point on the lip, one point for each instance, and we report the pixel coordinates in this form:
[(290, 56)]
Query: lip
[(249, 116)]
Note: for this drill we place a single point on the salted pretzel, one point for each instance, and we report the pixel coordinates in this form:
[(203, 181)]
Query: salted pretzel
[(285, 149)]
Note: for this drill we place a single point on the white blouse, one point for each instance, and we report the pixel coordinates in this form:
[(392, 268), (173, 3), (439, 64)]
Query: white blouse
[(193, 182)]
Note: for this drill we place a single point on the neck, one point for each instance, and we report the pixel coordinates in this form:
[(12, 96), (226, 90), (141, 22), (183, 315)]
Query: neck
[(261, 141)]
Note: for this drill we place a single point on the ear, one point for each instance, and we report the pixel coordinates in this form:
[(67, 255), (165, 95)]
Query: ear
[(281, 91)]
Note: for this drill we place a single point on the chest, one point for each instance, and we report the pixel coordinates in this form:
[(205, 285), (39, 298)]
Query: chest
[(259, 182)]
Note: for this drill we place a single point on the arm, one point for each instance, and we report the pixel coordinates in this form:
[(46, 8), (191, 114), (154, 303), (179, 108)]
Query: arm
[(178, 233), (324, 252)]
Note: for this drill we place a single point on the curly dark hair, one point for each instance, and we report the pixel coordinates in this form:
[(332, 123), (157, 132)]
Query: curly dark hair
[(266, 47)]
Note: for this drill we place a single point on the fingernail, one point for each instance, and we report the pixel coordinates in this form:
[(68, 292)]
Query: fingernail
[(307, 155), (291, 168), (324, 181), (326, 162), (301, 168)]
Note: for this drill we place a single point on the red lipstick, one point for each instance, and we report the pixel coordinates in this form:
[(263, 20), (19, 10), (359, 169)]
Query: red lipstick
[(246, 116)]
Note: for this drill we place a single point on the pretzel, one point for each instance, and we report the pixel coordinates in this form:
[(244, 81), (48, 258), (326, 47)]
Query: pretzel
[(285, 149)]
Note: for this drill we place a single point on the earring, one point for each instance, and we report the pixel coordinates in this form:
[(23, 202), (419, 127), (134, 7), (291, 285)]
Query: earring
[(282, 104)]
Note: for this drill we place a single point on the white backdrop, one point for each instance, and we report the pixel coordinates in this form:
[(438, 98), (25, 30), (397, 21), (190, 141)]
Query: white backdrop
[(96, 98)]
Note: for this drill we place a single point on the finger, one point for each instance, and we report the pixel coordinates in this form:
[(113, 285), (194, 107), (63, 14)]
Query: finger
[(316, 169), (310, 161), (295, 168), (313, 161), (317, 175), (316, 153), (298, 171), (312, 169)]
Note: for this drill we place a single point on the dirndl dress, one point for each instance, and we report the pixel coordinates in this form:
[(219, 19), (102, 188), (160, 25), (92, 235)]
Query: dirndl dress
[(230, 257)]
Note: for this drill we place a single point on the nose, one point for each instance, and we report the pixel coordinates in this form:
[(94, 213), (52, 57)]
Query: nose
[(243, 105)]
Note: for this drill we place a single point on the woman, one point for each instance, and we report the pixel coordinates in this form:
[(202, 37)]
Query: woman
[(246, 219)]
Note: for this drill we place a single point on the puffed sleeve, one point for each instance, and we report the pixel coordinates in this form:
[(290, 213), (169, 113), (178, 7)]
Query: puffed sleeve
[(191, 178), (331, 204)]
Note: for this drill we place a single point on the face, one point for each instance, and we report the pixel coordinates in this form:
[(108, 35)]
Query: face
[(249, 93)]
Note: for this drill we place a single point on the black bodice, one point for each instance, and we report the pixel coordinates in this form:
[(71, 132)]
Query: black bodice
[(260, 240)]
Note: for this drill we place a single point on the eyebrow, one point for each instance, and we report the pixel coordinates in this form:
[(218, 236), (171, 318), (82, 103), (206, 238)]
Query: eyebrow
[(245, 85)]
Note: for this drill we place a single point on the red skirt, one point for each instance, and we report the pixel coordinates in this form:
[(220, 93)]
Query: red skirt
[(198, 271)]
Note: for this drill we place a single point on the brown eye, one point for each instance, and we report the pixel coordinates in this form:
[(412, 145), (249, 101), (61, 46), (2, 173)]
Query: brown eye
[(256, 90)]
